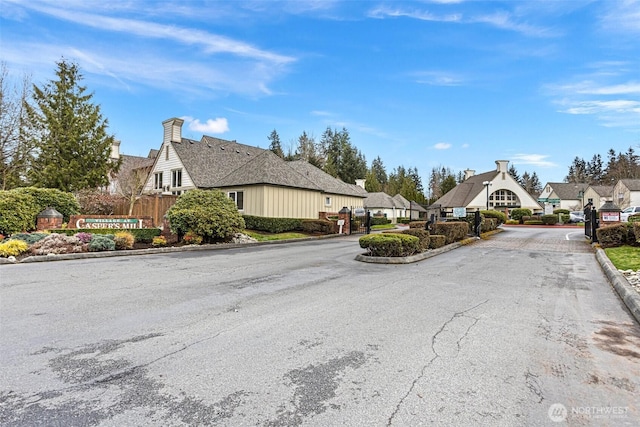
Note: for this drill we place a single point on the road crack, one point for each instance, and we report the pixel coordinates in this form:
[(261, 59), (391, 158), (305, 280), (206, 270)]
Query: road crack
[(438, 355)]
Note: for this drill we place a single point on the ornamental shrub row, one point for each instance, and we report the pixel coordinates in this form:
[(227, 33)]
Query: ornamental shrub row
[(619, 234), (436, 241), (322, 226), (20, 207), (272, 225), (13, 248), (499, 216), (141, 235), (518, 213), (453, 230), (379, 220), (390, 244)]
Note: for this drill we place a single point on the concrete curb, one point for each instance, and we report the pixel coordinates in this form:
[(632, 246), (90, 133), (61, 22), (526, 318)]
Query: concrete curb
[(424, 255), (627, 293)]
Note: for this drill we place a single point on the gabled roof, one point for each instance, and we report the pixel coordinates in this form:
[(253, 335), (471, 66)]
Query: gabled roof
[(267, 168), (466, 191), (211, 159), (568, 190), (325, 181), (402, 202), (214, 162), (417, 207), (631, 184), (603, 190), (380, 200)]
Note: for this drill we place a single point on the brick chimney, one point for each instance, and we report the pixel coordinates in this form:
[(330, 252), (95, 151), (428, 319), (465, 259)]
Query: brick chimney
[(172, 130)]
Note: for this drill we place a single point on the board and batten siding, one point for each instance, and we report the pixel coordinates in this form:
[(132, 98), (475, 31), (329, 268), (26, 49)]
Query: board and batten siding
[(285, 202), (165, 166)]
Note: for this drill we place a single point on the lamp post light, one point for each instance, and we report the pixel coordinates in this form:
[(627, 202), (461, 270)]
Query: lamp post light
[(487, 184)]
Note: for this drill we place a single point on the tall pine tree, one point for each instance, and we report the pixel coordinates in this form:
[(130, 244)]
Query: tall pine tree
[(275, 145), (69, 133)]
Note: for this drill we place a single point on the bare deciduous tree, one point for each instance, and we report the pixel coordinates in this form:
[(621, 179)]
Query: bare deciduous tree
[(15, 151)]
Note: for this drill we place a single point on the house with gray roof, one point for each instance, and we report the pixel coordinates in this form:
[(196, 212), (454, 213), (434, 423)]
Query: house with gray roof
[(563, 195), (260, 182), (493, 190), (598, 195), (626, 193), (382, 204)]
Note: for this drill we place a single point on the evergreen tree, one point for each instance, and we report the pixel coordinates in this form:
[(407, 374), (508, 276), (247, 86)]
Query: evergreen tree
[(372, 185), (343, 160), (275, 145), (577, 171), (514, 173), (69, 133), (378, 169)]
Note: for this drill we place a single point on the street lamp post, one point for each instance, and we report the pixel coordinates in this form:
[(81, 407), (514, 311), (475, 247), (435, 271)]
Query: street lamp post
[(487, 184)]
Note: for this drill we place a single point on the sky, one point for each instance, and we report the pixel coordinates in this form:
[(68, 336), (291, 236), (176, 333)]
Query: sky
[(421, 84)]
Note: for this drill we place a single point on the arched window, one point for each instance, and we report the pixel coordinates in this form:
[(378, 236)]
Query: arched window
[(503, 199)]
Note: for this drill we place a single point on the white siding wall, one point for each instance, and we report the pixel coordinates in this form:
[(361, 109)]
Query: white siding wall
[(165, 166)]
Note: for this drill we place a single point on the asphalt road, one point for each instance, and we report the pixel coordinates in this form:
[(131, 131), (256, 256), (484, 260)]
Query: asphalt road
[(520, 329)]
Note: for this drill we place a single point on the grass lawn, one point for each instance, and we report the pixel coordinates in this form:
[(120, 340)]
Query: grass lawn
[(624, 257), (263, 237), (383, 227)]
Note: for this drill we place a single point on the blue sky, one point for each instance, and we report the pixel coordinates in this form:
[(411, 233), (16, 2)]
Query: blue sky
[(421, 84)]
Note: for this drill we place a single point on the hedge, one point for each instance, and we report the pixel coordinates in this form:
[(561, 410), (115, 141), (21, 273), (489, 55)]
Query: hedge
[(518, 213), (44, 198), (379, 220), (453, 231), (322, 226), (436, 241), (418, 224), (17, 212), (499, 216), (550, 219), (423, 235), (272, 225), (613, 235), (390, 244), (142, 235)]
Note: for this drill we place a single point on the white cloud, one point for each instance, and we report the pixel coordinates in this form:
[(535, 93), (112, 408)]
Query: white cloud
[(442, 146), (594, 107), (532, 159), (211, 126), (465, 145), (622, 16), (438, 78)]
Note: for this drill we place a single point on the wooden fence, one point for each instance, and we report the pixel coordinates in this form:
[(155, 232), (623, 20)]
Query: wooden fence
[(153, 206)]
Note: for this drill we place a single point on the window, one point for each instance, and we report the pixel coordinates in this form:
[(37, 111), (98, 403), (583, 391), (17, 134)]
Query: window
[(176, 178), (157, 181), (327, 201), (238, 198), (503, 198)]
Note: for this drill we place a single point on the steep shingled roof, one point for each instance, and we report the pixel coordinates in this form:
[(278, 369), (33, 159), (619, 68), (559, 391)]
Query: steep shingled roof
[(380, 200), (568, 190), (631, 184), (325, 181), (214, 162), (466, 191), (603, 190)]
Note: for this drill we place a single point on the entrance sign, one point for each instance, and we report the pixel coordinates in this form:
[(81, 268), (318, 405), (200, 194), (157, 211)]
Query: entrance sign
[(459, 212), (359, 212), (116, 223)]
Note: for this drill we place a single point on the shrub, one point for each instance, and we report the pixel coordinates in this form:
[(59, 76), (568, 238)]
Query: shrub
[(423, 235), (518, 213), (192, 238), (58, 244), (208, 213), (404, 220), (550, 219), (489, 224), (636, 231), (565, 218), (418, 224), (101, 242), (612, 235), (390, 244), (561, 211), (29, 238), (63, 202), (144, 235), (124, 240), (13, 248), (318, 226), (453, 231), (379, 220), (436, 241), (634, 218), (533, 222), (17, 212), (512, 222), (84, 237), (159, 241), (499, 216), (272, 225)]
